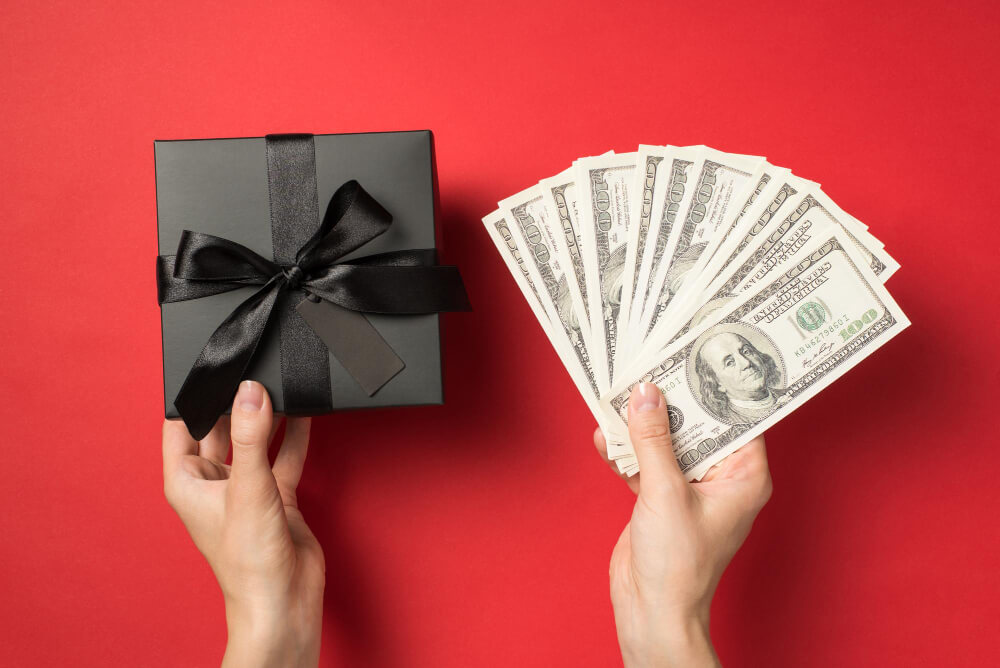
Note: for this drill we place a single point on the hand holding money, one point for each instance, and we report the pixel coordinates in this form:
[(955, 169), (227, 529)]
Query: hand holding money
[(735, 287), (679, 540)]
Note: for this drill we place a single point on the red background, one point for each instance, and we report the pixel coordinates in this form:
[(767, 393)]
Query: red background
[(479, 532)]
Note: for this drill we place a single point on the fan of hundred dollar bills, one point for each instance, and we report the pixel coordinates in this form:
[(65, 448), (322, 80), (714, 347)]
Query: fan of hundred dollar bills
[(737, 288)]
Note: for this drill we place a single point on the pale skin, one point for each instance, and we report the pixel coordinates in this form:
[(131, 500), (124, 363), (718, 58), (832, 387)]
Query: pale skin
[(244, 518)]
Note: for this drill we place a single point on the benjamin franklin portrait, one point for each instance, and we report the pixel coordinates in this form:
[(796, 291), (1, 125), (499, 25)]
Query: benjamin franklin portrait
[(737, 381)]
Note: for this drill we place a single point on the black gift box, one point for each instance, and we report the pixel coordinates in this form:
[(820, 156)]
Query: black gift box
[(221, 187)]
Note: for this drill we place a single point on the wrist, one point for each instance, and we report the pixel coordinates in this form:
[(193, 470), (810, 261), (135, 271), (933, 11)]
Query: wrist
[(269, 636), (665, 643)]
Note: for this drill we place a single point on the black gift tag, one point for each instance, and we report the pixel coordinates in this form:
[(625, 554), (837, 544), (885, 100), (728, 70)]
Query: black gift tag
[(355, 343)]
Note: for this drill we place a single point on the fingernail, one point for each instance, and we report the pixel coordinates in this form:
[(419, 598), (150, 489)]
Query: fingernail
[(251, 396), (646, 397)]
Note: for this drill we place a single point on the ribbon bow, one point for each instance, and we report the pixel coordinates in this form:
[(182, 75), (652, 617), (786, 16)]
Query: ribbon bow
[(399, 282)]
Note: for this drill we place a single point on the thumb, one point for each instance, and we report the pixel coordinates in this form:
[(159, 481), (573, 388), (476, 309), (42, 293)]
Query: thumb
[(649, 430), (250, 429)]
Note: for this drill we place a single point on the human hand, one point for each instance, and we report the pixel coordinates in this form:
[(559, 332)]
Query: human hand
[(245, 519), (671, 554)]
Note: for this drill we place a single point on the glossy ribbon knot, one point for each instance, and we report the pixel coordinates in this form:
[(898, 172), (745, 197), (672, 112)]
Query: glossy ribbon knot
[(293, 276), (399, 282)]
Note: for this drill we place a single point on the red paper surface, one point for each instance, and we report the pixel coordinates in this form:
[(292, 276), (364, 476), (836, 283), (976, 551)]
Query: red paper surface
[(478, 533)]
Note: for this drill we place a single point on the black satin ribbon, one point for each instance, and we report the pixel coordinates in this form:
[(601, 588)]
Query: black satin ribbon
[(294, 203), (399, 282)]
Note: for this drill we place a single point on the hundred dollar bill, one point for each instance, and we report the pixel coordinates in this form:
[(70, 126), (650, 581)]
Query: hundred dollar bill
[(560, 196), (668, 192), (778, 239), (752, 225), (719, 190), (649, 165), (604, 219), (765, 247), (559, 193), (753, 221), (750, 235), (761, 357), (815, 214), (503, 237), (501, 233), (535, 227), (768, 183), (862, 238)]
